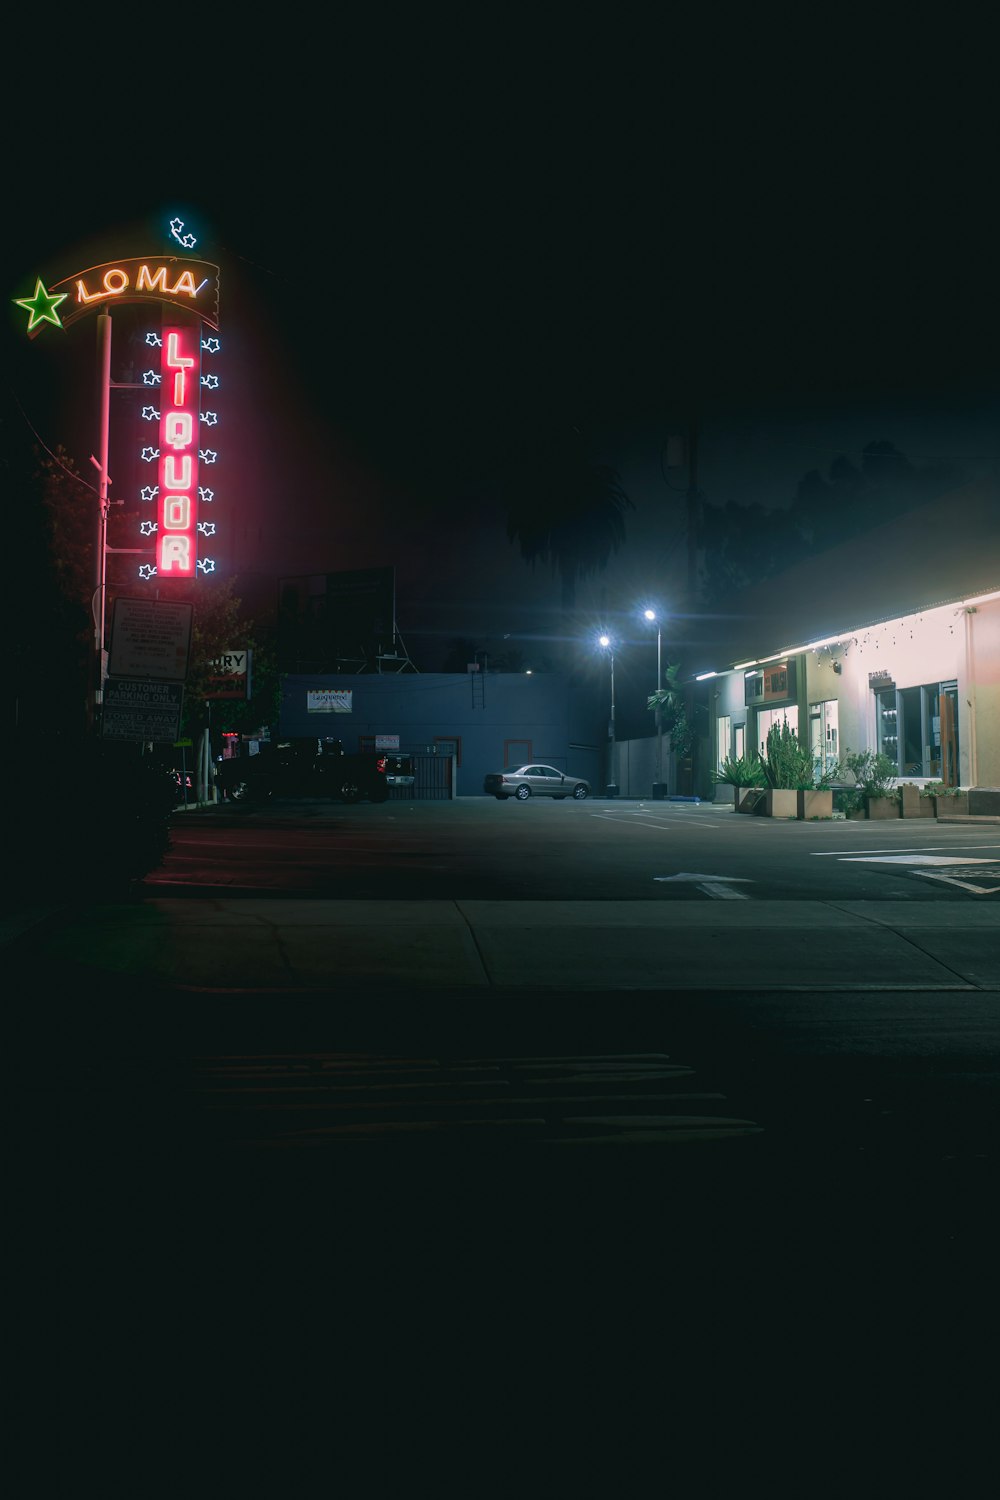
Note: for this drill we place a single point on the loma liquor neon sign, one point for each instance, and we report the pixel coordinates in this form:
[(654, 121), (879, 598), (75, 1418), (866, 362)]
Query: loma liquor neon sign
[(176, 540), (191, 284), (188, 292)]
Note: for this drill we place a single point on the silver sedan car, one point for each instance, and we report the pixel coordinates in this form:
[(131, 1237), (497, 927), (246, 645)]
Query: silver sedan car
[(523, 782)]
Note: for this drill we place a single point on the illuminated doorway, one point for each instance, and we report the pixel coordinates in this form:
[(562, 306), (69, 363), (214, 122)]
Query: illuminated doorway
[(724, 729), (824, 736)]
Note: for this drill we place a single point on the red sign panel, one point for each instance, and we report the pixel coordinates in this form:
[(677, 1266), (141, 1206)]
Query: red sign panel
[(177, 518)]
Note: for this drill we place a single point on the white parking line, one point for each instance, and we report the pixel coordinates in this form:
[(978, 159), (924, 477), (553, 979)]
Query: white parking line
[(913, 859), (957, 863), (650, 819), (919, 849), (966, 885)]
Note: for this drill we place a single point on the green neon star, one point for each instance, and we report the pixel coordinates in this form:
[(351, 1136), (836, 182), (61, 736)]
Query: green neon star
[(42, 306)]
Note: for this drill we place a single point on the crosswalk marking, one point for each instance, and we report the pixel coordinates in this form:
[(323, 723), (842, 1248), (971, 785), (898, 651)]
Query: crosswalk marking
[(913, 859)]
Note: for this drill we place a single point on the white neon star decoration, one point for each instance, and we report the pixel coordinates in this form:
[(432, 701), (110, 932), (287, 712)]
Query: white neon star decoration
[(150, 414), (154, 340), (147, 571), (207, 528), (210, 418), (206, 494), (206, 564), (211, 346), (207, 455), (147, 528), (187, 240), (150, 377), (148, 454), (149, 492), (210, 382)]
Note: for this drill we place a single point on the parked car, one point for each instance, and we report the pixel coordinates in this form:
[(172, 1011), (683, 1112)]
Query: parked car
[(303, 768), (397, 769), (523, 782)]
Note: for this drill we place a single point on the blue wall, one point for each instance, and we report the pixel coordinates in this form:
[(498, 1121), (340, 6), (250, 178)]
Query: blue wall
[(483, 710)]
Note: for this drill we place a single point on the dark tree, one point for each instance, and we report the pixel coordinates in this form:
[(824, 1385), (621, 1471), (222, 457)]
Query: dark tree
[(566, 510), (744, 545)]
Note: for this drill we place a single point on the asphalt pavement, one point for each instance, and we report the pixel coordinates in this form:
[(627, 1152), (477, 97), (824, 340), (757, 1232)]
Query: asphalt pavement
[(645, 1180)]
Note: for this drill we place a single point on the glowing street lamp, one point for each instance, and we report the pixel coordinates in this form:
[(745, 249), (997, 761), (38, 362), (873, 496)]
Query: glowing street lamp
[(607, 644), (654, 619)]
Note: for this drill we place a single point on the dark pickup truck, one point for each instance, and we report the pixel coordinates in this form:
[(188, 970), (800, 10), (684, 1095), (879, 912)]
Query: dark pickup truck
[(312, 768)]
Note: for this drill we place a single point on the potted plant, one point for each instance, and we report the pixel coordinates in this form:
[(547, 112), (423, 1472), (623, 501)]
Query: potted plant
[(946, 799), (875, 780), (788, 772), (745, 774), (912, 802)]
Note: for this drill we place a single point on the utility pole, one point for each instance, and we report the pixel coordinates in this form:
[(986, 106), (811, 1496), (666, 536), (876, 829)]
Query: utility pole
[(693, 514), (611, 787)]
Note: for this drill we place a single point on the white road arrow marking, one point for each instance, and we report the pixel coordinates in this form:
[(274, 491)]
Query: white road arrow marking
[(712, 885)]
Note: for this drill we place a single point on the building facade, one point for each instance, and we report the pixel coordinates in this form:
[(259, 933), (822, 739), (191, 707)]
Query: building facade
[(895, 647), (486, 720), (923, 688)]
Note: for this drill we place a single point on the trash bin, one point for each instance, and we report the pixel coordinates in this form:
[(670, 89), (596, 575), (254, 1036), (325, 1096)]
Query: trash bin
[(611, 790), (659, 790)]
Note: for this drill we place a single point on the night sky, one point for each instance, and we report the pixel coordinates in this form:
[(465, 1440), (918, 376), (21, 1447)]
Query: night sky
[(436, 249)]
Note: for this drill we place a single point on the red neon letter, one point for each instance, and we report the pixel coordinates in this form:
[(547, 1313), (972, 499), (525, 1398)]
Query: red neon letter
[(178, 471)]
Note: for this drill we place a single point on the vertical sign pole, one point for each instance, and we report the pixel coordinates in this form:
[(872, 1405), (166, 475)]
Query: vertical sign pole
[(104, 379)]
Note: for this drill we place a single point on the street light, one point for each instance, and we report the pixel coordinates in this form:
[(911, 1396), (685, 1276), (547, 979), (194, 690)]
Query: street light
[(654, 619), (608, 645)]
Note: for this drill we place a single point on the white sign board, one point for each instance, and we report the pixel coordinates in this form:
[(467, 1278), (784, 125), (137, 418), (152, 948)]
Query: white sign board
[(142, 711), (329, 700), (150, 639), (387, 742), (230, 675)]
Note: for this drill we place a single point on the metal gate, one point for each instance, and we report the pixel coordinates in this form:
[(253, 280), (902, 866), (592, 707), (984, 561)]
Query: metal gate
[(433, 780)]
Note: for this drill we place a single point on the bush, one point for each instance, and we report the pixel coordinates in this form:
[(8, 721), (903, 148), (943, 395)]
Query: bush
[(873, 772), (104, 829), (741, 770), (847, 800), (787, 764)]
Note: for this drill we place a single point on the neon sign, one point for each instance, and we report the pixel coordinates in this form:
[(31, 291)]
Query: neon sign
[(188, 293), (190, 284), (177, 511)]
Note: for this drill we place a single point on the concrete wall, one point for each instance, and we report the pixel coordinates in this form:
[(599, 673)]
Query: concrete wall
[(979, 694), (635, 767)]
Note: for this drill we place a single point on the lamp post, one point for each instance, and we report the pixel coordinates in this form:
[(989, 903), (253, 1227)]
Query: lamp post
[(654, 619), (608, 645)]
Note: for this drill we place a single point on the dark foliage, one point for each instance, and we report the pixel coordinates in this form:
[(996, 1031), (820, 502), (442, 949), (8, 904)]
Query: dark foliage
[(741, 545)]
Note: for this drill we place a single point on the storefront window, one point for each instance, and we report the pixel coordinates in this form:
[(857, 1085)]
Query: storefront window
[(918, 730), (768, 716), (824, 736), (887, 723), (724, 729)]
